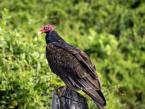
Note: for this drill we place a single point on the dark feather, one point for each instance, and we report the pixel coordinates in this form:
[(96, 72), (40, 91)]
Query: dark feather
[(75, 68)]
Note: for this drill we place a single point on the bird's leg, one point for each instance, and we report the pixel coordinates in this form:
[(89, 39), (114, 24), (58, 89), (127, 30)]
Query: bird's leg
[(59, 91)]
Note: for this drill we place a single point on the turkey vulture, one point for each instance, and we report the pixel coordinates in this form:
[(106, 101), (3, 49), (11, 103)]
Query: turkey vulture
[(72, 65)]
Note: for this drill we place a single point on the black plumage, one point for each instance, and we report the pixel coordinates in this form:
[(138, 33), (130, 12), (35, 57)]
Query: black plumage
[(73, 66)]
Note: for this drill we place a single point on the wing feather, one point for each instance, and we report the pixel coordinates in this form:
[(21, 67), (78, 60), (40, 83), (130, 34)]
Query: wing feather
[(80, 55)]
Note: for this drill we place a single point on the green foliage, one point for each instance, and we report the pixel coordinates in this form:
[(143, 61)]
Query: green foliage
[(111, 32)]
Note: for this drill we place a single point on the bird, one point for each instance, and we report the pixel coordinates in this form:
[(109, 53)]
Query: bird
[(72, 65)]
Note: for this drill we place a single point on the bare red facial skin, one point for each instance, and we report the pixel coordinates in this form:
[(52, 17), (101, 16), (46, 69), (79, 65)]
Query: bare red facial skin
[(47, 28)]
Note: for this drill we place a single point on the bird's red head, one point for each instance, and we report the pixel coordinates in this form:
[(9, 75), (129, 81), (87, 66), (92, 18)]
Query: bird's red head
[(46, 28)]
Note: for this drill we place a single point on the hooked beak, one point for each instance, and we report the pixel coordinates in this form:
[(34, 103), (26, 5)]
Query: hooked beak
[(40, 31)]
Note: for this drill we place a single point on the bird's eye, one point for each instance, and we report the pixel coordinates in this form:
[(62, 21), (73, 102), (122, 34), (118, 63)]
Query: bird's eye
[(46, 28)]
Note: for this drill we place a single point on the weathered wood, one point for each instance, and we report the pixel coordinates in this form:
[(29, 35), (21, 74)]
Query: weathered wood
[(65, 98)]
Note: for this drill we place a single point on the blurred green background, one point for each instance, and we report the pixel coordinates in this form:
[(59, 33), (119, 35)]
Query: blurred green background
[(111, 32)]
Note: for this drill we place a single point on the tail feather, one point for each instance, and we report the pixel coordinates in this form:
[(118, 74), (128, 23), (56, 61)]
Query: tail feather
[(98, 97), (101, 95), (99, 106), (100, 101)]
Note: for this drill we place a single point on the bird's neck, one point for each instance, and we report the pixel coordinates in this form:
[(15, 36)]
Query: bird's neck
[(52, 37)]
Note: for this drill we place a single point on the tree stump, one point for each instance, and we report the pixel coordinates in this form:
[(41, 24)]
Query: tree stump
[(65, 98)]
